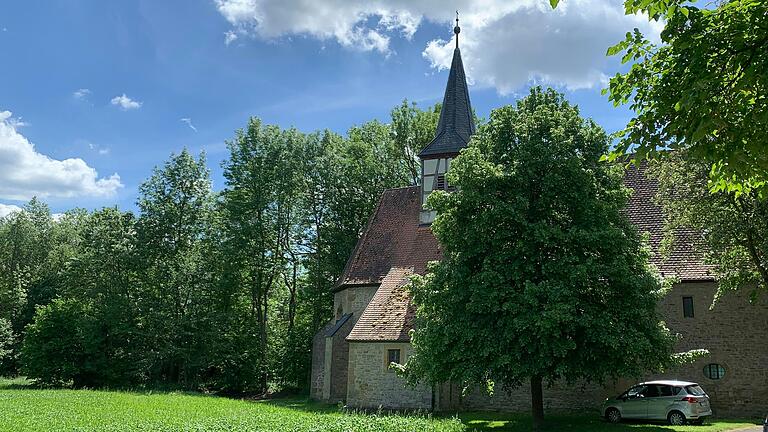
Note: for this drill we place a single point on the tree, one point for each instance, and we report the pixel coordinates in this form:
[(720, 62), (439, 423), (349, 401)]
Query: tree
[(543, 277), (88, 335), (27, 275), (258, 203), (412, 129), (6, 339), (175, 204), (730, 228), (704, 89)]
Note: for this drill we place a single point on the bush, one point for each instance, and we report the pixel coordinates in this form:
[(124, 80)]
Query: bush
[(59, 348)]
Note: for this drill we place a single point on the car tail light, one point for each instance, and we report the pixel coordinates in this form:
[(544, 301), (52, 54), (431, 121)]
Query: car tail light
[(689, 399)]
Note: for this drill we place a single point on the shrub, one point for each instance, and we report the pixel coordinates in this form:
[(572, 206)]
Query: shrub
[(59, 347)]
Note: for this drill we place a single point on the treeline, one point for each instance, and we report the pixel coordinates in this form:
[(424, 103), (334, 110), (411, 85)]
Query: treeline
[(206, 290)]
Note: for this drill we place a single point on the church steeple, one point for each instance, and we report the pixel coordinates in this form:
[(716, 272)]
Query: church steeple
[(456, 123), (454, 129)]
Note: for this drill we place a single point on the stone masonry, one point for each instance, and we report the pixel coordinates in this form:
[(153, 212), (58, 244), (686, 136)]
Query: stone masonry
[(372, 384)]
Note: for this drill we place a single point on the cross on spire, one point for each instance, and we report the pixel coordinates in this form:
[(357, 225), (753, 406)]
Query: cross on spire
[(457, 30)]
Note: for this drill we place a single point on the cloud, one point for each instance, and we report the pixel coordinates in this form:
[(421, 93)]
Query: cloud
[(6, 209), (230, 37), (188, 122), (98, 149), (505, 44), (81, 94), (125, 103), (25, 173)]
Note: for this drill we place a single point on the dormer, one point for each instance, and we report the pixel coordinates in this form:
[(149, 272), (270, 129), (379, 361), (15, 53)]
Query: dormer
[(454, 129)]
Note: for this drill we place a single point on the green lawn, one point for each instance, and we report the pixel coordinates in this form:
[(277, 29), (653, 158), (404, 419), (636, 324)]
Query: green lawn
[(27, 409)]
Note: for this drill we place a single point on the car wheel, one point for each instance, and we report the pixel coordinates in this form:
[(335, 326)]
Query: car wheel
[(676, 418), (613, 415)]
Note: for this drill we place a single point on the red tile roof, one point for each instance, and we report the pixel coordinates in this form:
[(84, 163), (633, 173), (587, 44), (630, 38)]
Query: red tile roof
[(393, 238), (685, 260), (390, 314), (394, 246)]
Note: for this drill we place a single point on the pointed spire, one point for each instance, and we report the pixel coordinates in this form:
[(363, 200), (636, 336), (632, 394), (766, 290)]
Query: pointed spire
[(457, 124)]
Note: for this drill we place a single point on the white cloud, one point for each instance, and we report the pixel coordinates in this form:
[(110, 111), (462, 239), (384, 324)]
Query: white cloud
[(125, 103), (6, 209), (505, 44), (98, 149), (188, 122), (25, 173), (82, 93), (230, 37)]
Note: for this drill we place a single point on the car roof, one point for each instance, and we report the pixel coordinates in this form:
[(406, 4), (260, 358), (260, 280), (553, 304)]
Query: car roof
[(675, 383)]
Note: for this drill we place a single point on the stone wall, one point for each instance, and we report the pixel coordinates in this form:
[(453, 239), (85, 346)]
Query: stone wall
[(735, 333), (353, 300), (558, 397), (330, 355), (372, 384), (317, 372)]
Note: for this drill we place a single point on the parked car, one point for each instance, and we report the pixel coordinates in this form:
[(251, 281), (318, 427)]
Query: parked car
[(677, 402)]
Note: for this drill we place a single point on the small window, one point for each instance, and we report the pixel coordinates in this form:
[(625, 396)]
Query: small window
[(440, 182), (714, 371), (651, 391), (666, 391), (393, 356), (688, 307)]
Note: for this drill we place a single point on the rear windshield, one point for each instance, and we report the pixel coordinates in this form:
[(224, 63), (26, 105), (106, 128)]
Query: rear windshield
[(695, 390)]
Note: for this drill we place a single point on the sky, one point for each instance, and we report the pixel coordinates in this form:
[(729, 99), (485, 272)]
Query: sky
[(95, 94)]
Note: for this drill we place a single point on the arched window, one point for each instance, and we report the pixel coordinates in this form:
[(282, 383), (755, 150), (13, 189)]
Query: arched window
[(714, 371)]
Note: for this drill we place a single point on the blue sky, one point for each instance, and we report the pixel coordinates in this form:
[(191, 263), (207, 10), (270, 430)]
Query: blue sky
[(104, 86)]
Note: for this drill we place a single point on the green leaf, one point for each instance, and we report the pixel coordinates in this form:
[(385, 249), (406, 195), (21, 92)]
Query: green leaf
[(554, 3)]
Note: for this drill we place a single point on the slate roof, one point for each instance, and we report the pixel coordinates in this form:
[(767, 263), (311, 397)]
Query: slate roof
[(390, 314), (456, 124)]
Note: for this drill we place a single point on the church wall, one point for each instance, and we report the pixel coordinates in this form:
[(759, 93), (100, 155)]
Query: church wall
[(330, 355), (735, 333), (353, 300), (317, 373), (371, 384)]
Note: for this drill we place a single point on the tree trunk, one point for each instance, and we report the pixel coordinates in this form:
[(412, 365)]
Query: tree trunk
[(537, 403)]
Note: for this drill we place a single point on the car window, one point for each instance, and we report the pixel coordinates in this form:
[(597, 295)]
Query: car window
[(695, 390), (678, 391), (665, 390), (635, 391), (651, 391)]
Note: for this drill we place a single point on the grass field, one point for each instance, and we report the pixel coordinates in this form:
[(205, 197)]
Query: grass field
[(27, 409)]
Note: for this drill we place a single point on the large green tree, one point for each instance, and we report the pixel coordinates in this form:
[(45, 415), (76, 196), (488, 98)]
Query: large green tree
[(729, 229), (543, 276), (704, 89), (175, 205)]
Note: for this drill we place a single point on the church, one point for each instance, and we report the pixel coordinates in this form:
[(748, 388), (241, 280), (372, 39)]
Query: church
[(373, 313)]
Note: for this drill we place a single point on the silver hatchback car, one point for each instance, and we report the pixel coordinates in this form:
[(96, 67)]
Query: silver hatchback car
[(677, 402)]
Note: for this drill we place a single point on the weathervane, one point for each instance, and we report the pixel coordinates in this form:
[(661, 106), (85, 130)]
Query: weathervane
[(457, 29)]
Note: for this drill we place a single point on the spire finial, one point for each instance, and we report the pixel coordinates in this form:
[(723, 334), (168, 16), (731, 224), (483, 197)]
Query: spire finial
[(457, 29)]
